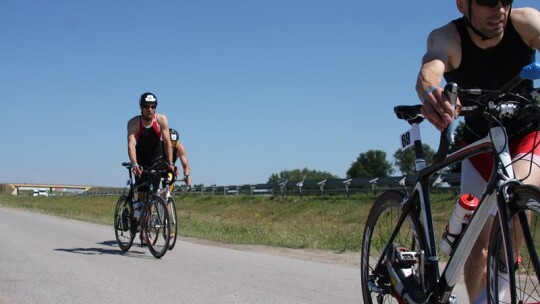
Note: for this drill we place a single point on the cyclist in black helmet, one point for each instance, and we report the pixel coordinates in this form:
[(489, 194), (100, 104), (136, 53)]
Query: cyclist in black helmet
[(148, 139), (179, 152), (483, 49)]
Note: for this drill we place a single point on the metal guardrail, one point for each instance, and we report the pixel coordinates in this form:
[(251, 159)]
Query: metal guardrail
[(442, 182)]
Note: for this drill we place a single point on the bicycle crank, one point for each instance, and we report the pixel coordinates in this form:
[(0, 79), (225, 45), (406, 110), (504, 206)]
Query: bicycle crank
[(404, 277)]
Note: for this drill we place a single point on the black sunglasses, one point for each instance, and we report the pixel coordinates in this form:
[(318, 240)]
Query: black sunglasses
[(493, 3), (149, 107)]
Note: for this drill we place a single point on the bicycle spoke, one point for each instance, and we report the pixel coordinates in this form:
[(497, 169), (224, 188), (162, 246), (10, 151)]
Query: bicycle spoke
[(123, 223), (158, 229), (525, 238), (171, 205), (383, 218)]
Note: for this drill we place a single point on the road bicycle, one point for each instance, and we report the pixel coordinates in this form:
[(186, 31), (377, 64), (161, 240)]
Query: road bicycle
[(399, 259), (165, 192), (152, 222)]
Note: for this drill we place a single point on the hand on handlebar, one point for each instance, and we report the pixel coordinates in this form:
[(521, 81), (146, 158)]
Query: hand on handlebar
[(187, 180), (137, 170), (171, 169), (438, 110)]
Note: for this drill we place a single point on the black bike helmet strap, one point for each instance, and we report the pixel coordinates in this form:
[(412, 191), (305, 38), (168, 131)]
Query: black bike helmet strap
[(469, 24)]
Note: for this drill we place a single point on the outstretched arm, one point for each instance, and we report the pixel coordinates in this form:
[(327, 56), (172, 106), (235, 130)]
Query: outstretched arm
[(185, 164), (442, 50), (132, 142), (164, 124)]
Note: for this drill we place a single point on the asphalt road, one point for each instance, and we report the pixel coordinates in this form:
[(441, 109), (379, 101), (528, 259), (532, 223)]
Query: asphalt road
[(45, 259)]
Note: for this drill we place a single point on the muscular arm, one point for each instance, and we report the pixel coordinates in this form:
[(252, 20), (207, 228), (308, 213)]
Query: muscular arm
[(527, 23), (164, 124), (443, 52), (183, 159), (132, 142)]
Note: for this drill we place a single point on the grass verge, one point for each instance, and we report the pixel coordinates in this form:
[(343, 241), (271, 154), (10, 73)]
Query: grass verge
[(327, 223)]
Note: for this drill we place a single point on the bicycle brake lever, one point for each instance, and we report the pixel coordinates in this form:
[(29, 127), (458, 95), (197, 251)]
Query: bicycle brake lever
[(447, 136), (451, 91)]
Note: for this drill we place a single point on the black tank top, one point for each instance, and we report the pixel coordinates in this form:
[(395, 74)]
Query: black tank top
[(149, 143), (489, 69)]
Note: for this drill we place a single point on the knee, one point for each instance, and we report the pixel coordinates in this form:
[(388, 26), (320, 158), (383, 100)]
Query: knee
[(477, 259)]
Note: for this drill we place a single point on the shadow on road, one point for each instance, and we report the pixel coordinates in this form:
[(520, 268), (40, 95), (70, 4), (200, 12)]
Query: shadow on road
[(112, 250)]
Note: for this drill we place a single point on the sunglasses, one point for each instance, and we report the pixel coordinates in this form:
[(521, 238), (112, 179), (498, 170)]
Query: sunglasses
[(149, 107), (493, 3)]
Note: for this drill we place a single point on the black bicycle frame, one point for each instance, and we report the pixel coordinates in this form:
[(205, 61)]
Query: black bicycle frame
[(420, 194)]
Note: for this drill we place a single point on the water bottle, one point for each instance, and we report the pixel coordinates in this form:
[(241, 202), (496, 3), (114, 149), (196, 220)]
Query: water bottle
[(463, 211), (137, 208)]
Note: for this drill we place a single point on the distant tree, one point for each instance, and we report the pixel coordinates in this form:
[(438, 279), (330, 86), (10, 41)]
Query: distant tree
[(405, 160), (298, 175), (372, 163)]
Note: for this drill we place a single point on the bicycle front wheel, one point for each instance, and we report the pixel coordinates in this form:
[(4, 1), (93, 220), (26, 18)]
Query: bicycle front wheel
[(158, 228), (123, 223), (382, 220), (524, 224), (173, 219)]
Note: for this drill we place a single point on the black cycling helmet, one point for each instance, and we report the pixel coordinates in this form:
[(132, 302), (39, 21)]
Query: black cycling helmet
[(174, 135), (148, 98)]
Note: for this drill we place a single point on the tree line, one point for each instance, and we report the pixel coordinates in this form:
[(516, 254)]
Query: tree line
[(372, 163)]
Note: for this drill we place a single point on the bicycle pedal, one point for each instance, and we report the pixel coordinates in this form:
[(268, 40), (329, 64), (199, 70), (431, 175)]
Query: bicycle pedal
[(400, 264), (403, 257)]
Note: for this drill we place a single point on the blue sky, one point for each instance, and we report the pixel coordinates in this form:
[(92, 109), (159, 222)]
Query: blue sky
[(253, 87)]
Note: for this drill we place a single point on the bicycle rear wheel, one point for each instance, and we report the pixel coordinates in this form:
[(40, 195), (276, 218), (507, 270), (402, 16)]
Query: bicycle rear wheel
[(158, 228), (173, 220), (123, 223), (524, 219), (381, 221)]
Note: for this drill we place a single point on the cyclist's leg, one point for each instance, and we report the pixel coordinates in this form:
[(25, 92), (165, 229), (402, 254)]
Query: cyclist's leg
[(530, 175), (525, 271), (474, 173), (526, 158), (141, 196), (526, 165)]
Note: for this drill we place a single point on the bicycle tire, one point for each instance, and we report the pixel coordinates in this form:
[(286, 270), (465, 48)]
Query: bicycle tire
[(382, 219), (157, 227), (123, 222), (173, 215), (525, 210)]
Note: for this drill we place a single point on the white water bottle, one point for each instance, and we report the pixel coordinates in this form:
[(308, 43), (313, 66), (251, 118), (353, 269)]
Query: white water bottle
[(137, 207), (463, 211)]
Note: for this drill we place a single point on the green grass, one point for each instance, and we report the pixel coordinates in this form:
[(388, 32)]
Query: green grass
[(328, 223)]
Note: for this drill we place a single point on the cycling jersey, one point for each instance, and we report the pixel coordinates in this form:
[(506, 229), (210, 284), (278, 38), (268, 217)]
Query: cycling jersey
[(149, 143), (476, 170), (490, 69), (519, 150)]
